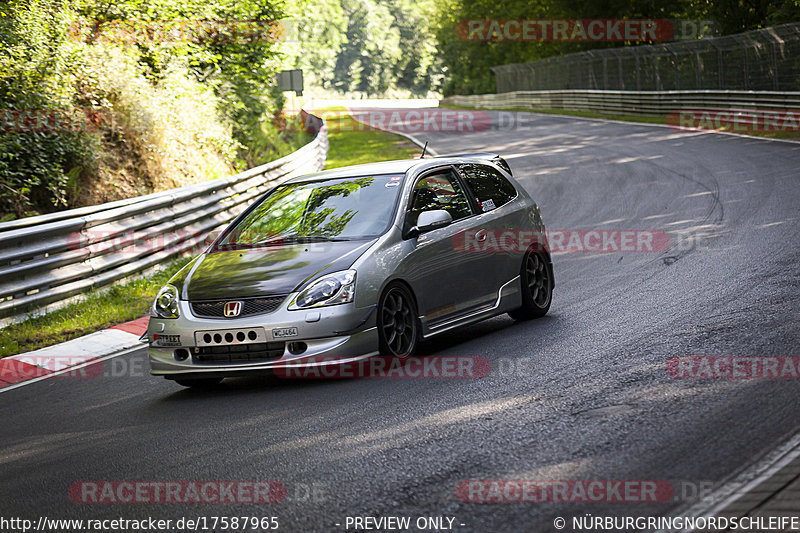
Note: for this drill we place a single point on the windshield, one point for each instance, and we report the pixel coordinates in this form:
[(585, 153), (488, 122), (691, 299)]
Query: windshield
[(334, 209)]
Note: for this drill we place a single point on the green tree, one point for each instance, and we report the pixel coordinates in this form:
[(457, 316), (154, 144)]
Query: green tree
[(315, 33), (468, 63), (48, 60), (240, 67), (370, 47), (38, 163)]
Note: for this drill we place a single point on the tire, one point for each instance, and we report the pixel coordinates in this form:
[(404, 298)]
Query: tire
[(204, 383), (536, 278), (398, 326)]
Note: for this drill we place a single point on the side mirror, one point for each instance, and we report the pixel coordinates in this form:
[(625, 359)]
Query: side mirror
[(429, 220)]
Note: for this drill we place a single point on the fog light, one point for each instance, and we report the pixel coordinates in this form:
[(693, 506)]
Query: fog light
[(181, 354), (296, 348)]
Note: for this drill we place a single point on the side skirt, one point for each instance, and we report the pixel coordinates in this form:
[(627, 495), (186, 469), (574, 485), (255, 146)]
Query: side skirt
[(507, 291)]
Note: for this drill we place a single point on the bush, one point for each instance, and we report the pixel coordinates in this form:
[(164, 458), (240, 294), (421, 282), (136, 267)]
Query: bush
[(143, 116), (37, 167), (156, 135)]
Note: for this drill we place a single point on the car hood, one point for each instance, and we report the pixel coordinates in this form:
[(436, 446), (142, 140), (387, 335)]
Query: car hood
[(265, 271)]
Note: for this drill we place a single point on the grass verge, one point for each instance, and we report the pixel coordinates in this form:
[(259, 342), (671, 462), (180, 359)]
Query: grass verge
[(630, 118), (353, 143), (96, 310)]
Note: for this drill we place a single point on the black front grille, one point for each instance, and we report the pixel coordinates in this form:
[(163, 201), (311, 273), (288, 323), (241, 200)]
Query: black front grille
[(251, 306), (239, 353)]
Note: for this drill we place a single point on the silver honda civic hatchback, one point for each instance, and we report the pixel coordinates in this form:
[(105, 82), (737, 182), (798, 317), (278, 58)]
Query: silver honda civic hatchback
[(341, 265)]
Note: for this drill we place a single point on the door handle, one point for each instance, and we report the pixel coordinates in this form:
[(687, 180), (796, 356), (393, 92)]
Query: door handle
[(480, 235)]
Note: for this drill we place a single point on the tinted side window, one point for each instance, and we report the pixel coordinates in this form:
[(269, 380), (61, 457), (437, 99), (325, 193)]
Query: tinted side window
[(488, 186), (439, 191)]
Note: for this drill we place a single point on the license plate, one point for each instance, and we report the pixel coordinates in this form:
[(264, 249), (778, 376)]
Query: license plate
[(166, 340), (279, 333)]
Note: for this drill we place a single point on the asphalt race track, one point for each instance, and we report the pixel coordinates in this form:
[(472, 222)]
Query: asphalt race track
[(582, 394)]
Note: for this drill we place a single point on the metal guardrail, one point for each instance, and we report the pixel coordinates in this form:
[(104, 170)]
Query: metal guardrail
[(648, 103), (52, 257)]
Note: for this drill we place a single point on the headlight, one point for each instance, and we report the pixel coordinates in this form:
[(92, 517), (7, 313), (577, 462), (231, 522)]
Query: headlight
[(166, 303), (333, 289)]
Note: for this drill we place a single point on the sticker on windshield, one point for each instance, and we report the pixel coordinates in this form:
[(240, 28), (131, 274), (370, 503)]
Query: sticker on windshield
[(392, 184), (396, 178), (487, 205)]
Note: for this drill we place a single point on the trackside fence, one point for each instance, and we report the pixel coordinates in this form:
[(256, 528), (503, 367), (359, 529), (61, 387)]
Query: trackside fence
[(767, 59)]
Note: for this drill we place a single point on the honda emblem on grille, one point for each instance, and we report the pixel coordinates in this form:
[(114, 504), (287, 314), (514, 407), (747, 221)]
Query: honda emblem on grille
[(232, 309)]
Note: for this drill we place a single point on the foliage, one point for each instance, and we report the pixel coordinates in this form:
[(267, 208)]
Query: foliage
[(238, 68), (364, 47), (149, 112), (169, 128), (36, 168), (468, 64), (314, 36)]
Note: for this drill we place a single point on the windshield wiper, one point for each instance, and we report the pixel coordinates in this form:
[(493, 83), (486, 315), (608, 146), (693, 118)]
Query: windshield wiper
[(303, 239), (278, 240)]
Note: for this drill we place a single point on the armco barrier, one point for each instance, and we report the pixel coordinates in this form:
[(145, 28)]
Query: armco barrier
[(52, 257), (647, 103)]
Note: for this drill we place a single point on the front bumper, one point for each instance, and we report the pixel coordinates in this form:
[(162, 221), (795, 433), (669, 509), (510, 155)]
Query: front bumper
[(328, 335)]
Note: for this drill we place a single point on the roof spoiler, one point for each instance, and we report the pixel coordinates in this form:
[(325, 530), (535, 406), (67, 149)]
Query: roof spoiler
[(494, 158)]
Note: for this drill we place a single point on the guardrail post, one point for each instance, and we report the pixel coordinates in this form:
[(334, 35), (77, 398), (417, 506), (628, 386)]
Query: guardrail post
[(697, 70), (775, 65)]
